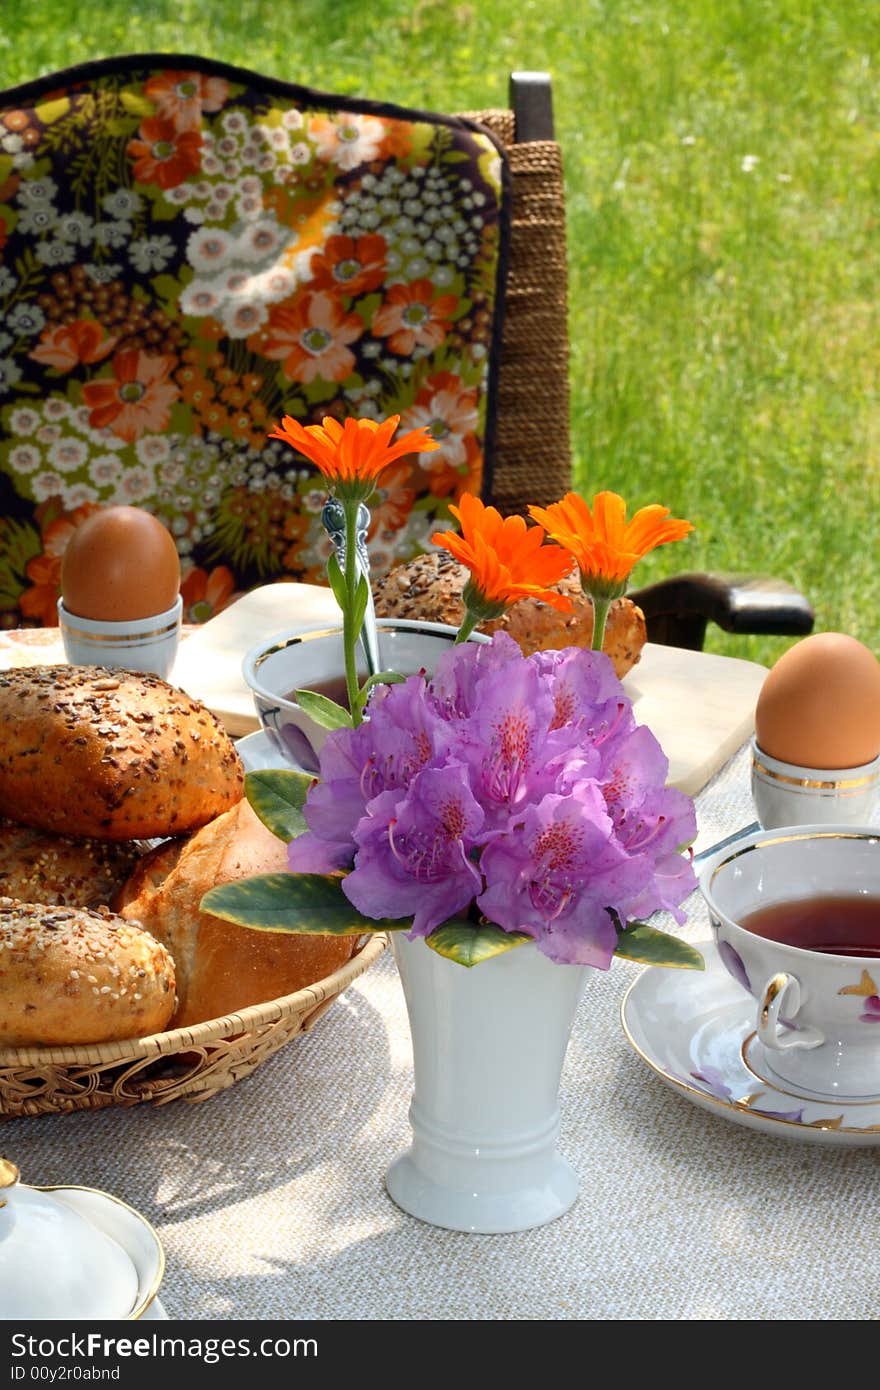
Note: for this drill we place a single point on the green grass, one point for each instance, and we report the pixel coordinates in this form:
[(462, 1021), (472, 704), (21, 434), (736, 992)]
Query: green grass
[(724, 309)]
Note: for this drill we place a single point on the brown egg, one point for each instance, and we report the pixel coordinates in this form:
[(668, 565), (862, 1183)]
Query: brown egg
[(820, 704), (120, 563)]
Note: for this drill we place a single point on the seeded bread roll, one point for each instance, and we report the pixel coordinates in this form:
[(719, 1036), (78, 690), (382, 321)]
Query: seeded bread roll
[(114, 755), (70, 975), (222, 967), (430, 587), (40, 867)]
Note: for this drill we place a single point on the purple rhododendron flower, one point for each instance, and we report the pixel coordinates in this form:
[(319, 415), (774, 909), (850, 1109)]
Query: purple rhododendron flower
[(555, 875), (519, 788), (414, 851), (402, 735)]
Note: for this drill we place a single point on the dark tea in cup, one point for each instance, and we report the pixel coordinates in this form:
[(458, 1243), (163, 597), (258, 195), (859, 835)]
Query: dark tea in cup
[(835, 924)]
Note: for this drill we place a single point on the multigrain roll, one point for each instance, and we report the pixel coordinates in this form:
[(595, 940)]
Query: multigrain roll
[(40, 867), (110, 754), (222, 967), (73, 976), (429, 588)]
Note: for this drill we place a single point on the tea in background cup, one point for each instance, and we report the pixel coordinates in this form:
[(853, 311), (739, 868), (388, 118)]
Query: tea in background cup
[(795, 914)]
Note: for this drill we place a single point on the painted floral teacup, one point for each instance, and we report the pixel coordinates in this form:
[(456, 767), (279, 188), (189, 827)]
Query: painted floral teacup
[(795, 913)]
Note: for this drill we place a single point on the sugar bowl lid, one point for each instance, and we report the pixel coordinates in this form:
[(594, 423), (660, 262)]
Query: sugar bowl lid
[(69, 1253)]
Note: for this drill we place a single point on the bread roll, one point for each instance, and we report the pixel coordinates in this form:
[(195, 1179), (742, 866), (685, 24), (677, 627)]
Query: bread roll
[(430, 588), (40, 867), (71, 976), (222, 967), (116, 755)]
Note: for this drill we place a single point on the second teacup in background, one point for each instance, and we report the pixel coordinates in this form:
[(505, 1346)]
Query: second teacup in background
[(297, 660)]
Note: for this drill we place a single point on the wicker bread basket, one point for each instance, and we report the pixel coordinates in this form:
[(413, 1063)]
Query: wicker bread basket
[(185, 1063)]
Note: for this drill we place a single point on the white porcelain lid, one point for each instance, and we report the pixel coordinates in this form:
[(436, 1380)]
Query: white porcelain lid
[(54, 1262)]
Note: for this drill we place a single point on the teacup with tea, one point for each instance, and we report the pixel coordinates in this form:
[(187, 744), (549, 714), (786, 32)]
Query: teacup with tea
[(292, 661), (795, 914)]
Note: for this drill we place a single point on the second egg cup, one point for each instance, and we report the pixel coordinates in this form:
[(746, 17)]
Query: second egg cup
[(792, 794), (135, 644)]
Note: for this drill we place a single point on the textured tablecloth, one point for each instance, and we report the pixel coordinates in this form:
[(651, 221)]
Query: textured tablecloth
[(270, 1201)]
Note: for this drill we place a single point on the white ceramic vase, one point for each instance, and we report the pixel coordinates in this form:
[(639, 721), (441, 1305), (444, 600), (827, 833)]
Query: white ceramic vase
[(489, 1042)]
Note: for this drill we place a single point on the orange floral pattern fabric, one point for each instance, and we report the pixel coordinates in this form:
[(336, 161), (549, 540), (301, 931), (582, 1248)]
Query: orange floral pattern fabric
[(189, 253)]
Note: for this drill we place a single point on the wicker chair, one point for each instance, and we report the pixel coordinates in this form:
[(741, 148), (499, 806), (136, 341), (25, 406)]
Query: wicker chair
[(533, 455), (133, 368)]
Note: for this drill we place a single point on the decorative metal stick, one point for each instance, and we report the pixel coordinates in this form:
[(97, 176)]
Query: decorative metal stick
[(333, 517)]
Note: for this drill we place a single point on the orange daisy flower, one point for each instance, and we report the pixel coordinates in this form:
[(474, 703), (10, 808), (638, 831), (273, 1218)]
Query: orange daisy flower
[(507, 560), (353, 454), (605, 546), (181, 97), (164, 154), (138, 397)]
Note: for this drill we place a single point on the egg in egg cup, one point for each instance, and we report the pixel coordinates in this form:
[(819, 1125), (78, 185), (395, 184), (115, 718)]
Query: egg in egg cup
[(120, 603)]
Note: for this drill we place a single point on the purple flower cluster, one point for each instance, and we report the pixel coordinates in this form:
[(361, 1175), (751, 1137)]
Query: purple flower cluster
[(520, 784)]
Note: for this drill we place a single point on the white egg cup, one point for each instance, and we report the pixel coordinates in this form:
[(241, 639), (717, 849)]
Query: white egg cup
[(792, 794), (134, 644)]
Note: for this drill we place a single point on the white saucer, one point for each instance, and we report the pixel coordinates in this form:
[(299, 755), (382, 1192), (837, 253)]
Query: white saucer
[(696, 1030), (155, 1312), (258, 751)]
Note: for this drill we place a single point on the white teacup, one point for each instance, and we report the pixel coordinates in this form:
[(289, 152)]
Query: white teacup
[(298, 660), (135, 644), (818, 1010), (791, 794)]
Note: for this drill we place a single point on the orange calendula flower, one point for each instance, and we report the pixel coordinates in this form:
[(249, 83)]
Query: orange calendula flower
[(605, 546), (353, 454), (507, 560)]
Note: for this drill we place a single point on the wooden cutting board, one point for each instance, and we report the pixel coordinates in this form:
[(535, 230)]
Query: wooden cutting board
[(701, 707)]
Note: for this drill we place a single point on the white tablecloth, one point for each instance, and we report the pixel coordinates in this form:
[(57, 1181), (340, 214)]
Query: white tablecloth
[(270, 1201)]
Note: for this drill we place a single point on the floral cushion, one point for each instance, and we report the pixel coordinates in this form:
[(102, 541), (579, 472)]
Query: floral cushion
[(189, 252)]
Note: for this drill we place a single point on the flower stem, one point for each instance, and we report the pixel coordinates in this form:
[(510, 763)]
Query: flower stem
[(349, 635), (600, 613), (468, 623)]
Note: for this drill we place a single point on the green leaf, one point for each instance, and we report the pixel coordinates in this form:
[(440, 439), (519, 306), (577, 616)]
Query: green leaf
[(312, 904), (323, 710), (337, 581), (649, 946), (468, 944), (361, 599), (380, 678), (50, 111), (278, 796), (136, 104)]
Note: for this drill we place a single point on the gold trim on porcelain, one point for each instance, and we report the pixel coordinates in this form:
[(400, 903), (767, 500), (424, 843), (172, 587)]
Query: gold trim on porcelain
[(781, 1090), (152, 1293), (294, 641), (837, 784), (775, 988), (389, 626), (9, 1174), (122, 639), (770, 839), (742, 1106)]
